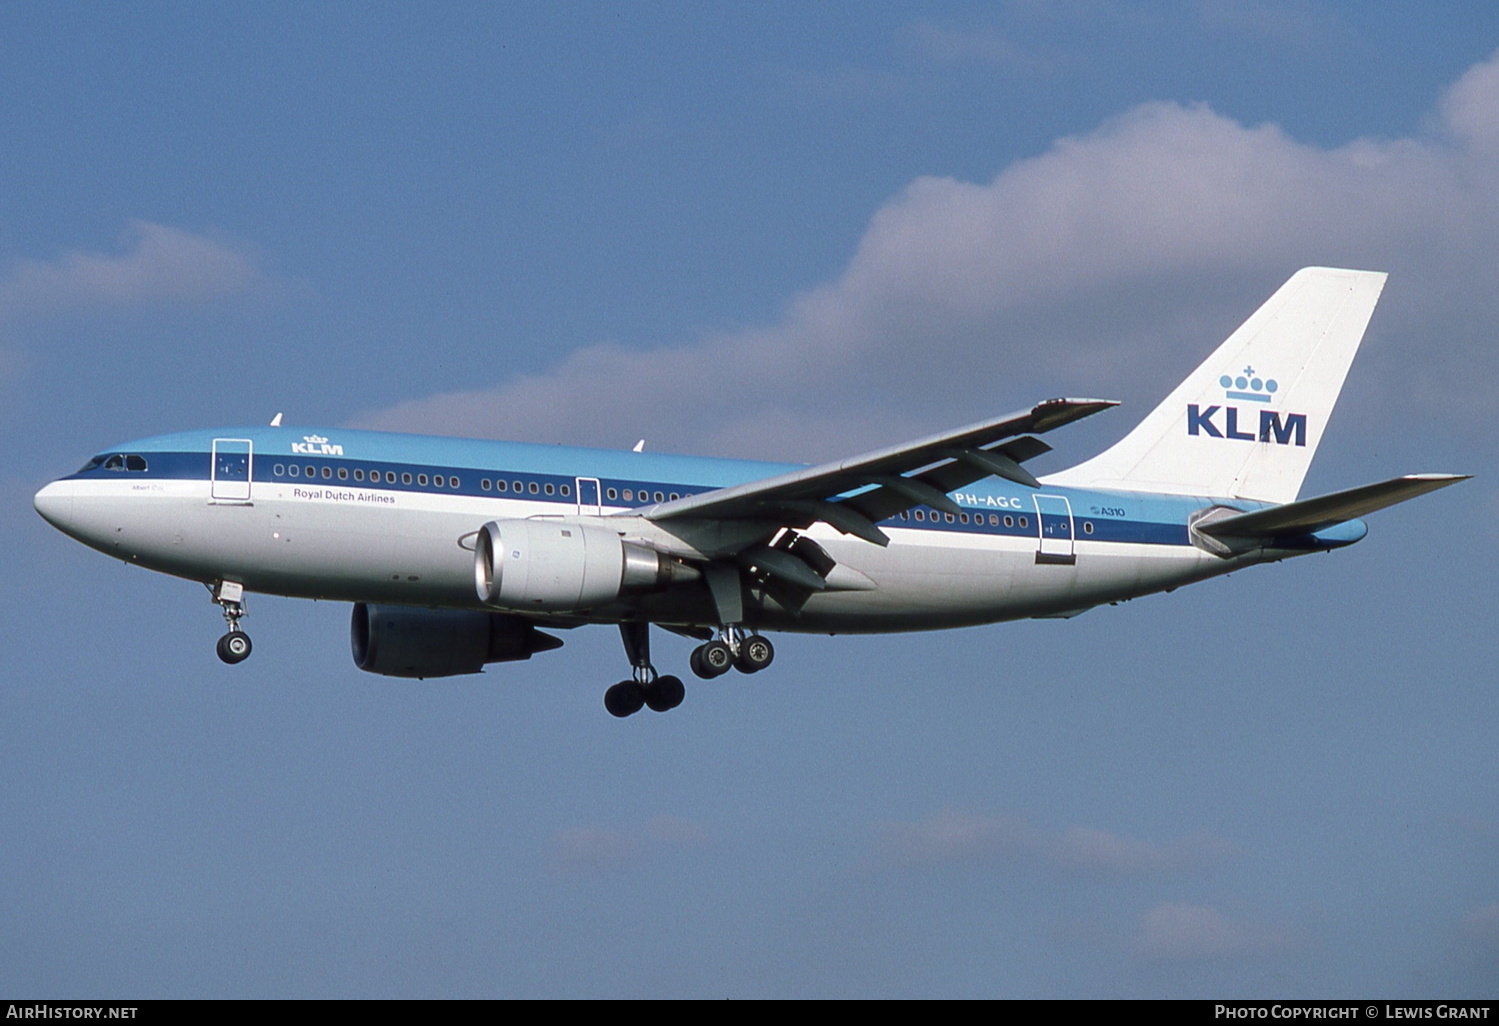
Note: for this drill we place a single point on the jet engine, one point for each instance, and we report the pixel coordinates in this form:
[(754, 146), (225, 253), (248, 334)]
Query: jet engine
[(409, 641), (560, 566)]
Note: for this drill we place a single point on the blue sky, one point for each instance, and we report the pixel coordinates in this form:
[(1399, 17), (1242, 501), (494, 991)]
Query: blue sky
[(780, 230)]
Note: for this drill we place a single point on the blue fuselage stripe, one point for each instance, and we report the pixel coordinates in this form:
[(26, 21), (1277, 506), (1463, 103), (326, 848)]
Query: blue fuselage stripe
[(321, 471)]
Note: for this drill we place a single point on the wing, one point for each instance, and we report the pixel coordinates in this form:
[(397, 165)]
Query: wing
[(853, 495)]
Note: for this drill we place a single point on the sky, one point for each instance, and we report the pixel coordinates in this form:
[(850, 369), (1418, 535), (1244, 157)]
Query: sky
[(789, 231)]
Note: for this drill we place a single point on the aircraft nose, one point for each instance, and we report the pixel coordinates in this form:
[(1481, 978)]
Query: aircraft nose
[(55, 505)]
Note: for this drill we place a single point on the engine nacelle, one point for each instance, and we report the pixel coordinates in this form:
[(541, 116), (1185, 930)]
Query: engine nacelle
[(409, 641), (560, 566)]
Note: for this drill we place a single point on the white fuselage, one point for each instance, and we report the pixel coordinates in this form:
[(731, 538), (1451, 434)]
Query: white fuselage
[(1020, 553)]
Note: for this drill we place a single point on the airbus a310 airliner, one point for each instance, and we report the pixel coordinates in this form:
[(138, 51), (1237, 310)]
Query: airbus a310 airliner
[(456, 553)]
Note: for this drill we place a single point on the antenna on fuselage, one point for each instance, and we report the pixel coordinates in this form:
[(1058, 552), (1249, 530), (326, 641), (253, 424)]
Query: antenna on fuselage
[(639, 446), (276, 420)]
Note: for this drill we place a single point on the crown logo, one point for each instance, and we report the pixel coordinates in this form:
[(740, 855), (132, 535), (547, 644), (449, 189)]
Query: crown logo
[(1247, 386), (319, 439)]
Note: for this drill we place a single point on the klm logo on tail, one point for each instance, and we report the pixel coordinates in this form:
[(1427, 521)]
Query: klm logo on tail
[(1290, 430)]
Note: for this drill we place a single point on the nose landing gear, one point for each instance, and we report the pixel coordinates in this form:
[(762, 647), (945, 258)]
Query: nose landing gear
[(235, 646)]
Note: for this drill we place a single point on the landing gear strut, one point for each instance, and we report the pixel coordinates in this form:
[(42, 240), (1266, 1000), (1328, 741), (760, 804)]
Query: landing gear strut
[(660, 693), (732, 650), (235, 646)]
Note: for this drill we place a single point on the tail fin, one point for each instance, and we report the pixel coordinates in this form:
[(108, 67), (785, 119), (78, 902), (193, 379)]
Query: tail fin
[(1246, 423)]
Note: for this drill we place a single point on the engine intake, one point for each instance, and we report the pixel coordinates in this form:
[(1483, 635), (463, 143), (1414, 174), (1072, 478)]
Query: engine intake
[(409, 641), (562, 566)]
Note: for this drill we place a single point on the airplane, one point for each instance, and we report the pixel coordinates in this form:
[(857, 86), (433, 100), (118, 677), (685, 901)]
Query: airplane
[(460, 553)]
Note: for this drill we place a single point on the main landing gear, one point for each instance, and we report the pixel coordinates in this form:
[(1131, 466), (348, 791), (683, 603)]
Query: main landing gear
[(732, 650), (235, 646), (659, 693)]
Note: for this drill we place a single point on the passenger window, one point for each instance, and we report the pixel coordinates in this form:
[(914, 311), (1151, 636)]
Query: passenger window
[(453, 482), (920, 516), (343, 473), (963, 517), (312, 471), (518, 487), (406, 478), (1087, 527), (660, 497), (279, 470), (327, 473), (421, 479), (993, 520), (390, 477), (549, 489), (1009, 520), (629, 495), (566, 491), (358, 474), (295, 470), (534, 489), (484, 484), (613, 493), (1025, 522), (949, 517)]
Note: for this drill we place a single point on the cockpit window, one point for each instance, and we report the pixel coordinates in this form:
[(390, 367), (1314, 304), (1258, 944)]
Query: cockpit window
[(93, 464), (119, 461)]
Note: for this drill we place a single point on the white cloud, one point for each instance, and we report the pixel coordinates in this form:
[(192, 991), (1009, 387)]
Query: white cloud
[(593, 849), (1107, 265), (1176, 932), (159, 264), (952, 836)]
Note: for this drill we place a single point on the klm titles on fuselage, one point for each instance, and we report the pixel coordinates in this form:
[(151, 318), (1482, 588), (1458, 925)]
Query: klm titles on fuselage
[(315, 445)]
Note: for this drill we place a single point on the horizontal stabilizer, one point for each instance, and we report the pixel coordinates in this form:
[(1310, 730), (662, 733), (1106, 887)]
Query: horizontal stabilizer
[(1311, 515)]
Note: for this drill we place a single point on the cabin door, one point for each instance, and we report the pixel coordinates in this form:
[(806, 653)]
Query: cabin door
[(1054, 530), (590, 501), (230, 469)]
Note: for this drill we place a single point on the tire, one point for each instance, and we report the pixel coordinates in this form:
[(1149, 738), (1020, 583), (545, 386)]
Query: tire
[(716, 658), (666, 694), (624, 699), (234, 647), (755, 654)]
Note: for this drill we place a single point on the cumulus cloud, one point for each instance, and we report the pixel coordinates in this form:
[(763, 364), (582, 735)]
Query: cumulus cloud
[(1181, 932), (593, 849), (952, 836), (158, 264), (1107, 265)]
